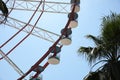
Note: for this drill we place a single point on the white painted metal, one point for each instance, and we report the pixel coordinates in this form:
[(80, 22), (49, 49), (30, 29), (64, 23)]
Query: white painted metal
[(16, 68)]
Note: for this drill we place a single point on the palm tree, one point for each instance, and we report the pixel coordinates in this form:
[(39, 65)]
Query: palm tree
[(107, 47)]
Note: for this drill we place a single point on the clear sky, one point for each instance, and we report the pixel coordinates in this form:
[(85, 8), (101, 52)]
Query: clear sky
[(72, 66)]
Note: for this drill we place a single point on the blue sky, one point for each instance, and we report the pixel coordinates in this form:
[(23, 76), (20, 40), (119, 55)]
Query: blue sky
[(72, 66)]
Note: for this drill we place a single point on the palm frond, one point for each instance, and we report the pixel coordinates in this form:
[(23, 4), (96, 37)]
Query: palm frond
[(111, 29), (95, 76), (92, 53), (96, 40)]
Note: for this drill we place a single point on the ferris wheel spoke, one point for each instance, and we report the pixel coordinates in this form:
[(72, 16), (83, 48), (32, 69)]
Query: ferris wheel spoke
[(51, 7), (16, 68), (23, 37), (38, 32), (23, 26)]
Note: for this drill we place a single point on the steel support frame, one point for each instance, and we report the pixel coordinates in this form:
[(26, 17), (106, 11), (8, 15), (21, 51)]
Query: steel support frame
[(38, 32), (16, 68), (51, 7)]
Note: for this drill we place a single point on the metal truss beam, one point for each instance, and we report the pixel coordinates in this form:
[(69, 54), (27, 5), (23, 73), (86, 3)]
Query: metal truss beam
[(51, 7), (38, 32), (16, 68)]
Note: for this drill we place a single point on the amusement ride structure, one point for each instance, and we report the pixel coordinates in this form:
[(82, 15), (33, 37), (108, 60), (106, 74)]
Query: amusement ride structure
[(9, 16)]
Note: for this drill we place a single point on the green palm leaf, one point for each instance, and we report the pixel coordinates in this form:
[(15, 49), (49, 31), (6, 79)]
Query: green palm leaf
[(107, 45)]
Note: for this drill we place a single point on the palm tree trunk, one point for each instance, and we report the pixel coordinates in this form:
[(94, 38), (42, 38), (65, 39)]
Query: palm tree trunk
[(115, 71)]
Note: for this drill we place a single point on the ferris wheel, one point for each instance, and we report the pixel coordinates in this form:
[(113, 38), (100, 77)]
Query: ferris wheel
[(24, 16)]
